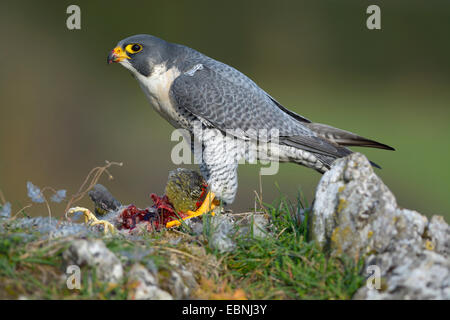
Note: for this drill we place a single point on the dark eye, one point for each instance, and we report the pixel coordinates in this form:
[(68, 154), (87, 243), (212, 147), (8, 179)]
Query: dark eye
[(133, 48)]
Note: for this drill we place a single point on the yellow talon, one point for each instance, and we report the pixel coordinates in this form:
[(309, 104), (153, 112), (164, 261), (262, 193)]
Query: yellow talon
[(91, 219), (207, 206)]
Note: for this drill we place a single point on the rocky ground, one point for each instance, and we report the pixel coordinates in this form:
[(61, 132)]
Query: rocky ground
[(354, 230)]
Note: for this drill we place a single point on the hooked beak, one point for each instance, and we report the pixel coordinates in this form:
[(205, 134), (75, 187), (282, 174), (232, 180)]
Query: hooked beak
[(116, 55)]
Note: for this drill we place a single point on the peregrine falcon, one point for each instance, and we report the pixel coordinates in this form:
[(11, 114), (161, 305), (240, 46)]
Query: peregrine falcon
[(187, 87)]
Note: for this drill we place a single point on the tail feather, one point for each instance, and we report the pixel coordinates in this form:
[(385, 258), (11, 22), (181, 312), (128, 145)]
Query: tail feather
[(374, 165), (344, 138)]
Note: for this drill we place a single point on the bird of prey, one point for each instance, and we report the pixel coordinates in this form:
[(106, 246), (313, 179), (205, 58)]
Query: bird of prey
[(187, 87)]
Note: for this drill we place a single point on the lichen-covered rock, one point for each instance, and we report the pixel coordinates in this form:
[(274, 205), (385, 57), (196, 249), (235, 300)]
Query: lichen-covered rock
[(179, 289), (253, 224), (222, 229), (95, 254), (179, 281), (355, 214), (438, 232), (406, 274), (143, 285)]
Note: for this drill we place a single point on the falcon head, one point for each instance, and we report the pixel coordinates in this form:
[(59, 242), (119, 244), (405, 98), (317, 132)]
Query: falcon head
[(140, 53)]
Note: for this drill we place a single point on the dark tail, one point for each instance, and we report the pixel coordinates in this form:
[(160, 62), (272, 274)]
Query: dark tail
[(344, 138)]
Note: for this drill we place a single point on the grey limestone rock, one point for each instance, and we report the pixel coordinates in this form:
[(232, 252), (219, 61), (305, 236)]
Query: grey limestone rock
[(355, 214), (95, 254), (144, 286)]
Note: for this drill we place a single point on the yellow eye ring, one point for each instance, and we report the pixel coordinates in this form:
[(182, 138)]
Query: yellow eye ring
[(133, 48)]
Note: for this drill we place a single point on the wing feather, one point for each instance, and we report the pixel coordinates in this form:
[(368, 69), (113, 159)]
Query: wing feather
[(220, 99)]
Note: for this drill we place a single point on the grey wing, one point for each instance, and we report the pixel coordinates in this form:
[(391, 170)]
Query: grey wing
[(222, 101)]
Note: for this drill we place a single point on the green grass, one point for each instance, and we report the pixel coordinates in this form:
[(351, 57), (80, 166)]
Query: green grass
[(287, 266)]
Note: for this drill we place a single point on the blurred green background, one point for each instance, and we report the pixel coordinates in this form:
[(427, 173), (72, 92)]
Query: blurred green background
[(64, 110)]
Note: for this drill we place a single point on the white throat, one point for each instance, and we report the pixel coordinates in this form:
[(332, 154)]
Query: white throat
[(156, 87)]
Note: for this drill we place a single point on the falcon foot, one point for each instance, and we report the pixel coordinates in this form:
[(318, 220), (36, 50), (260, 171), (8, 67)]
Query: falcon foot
[(207, 206), (91, 219)]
